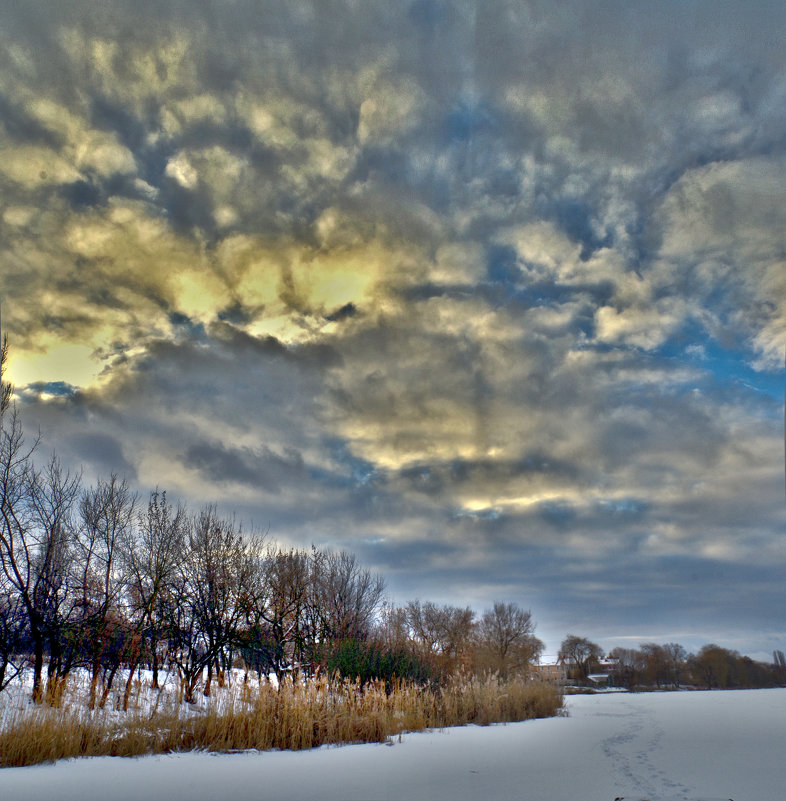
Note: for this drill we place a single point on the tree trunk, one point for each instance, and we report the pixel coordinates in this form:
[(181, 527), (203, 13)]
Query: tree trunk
[(209, 679), (154, 645), (129, 684), (38, 666), (189, 684), (95, 668), (108, 686)]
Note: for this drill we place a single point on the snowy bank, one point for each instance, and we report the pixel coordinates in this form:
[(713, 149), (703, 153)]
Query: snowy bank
[(657, 746)]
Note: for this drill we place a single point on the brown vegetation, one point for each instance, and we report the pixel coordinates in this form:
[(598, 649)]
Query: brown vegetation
[(295, 715)]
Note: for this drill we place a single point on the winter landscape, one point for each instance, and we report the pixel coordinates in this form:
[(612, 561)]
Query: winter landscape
[(392, 399)]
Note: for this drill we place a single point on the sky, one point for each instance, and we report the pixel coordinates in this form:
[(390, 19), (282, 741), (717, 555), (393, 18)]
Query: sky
[(492, 294)]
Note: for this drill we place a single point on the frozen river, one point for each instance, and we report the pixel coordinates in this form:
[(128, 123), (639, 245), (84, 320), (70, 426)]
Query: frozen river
[(686, 745)]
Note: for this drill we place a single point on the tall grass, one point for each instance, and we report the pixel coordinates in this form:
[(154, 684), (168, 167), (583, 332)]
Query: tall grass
[(296, 715)]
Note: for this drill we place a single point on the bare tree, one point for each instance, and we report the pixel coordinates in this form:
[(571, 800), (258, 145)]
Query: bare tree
[(52, 493), (628, 666), (16, 472), (13, 480), (151, 553), (347, 596), (12, 633), (507, 634), (5, 388), (392, 630), (106, 513), (425, 624), (457, 630), (676, 657), (35, 541), (213, 587), (281, 631), (443, 633), (580, 654)]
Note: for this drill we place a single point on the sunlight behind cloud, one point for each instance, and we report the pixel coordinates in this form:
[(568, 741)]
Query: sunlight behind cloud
[(73, 364)]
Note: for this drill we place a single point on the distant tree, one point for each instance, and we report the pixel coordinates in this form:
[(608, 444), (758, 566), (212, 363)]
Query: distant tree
[(425, 624), (580, 655), (779, 666), (721, 668), (713, 666), (505, 635), (391, 627), (749, 673), (676, 658), (657, 668), (443, 633), (628, 667)]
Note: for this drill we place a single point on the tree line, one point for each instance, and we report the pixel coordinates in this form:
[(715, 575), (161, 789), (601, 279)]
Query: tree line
[(98, 578), (670, 666), (92, 577)]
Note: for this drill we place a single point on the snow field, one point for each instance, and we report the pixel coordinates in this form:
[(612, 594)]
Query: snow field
[(656, 746)]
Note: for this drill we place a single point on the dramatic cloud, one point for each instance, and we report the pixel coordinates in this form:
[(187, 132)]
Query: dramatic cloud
[(492, 294)]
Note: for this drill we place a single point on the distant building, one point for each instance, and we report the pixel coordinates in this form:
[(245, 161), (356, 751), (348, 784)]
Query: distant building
[(600, 679), (551, 672)]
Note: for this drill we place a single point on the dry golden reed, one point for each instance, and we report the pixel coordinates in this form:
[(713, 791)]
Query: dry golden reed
[(295, 715)]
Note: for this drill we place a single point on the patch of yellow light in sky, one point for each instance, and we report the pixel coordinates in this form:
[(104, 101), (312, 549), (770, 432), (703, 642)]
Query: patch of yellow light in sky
[(74, 364), (293, 286), (182, 171), (261, 285), (521, 502), (86, 148), (281, 327), (226, 216), (336, 280), (398, 456), (199, 107), (18, 215), (199, 294)]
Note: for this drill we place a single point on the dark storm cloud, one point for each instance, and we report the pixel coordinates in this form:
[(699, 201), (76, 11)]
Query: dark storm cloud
[(20, 126), (103, 453), (492, 294), (433, 478), (264, 470)]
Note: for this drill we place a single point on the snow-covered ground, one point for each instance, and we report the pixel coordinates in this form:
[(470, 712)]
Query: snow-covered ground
[(657, 746)]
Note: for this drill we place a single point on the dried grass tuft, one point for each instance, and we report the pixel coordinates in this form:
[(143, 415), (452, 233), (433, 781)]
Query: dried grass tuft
[(294, 716)]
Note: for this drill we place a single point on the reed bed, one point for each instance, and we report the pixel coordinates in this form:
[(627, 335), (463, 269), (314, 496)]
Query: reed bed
[(295, 715)]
